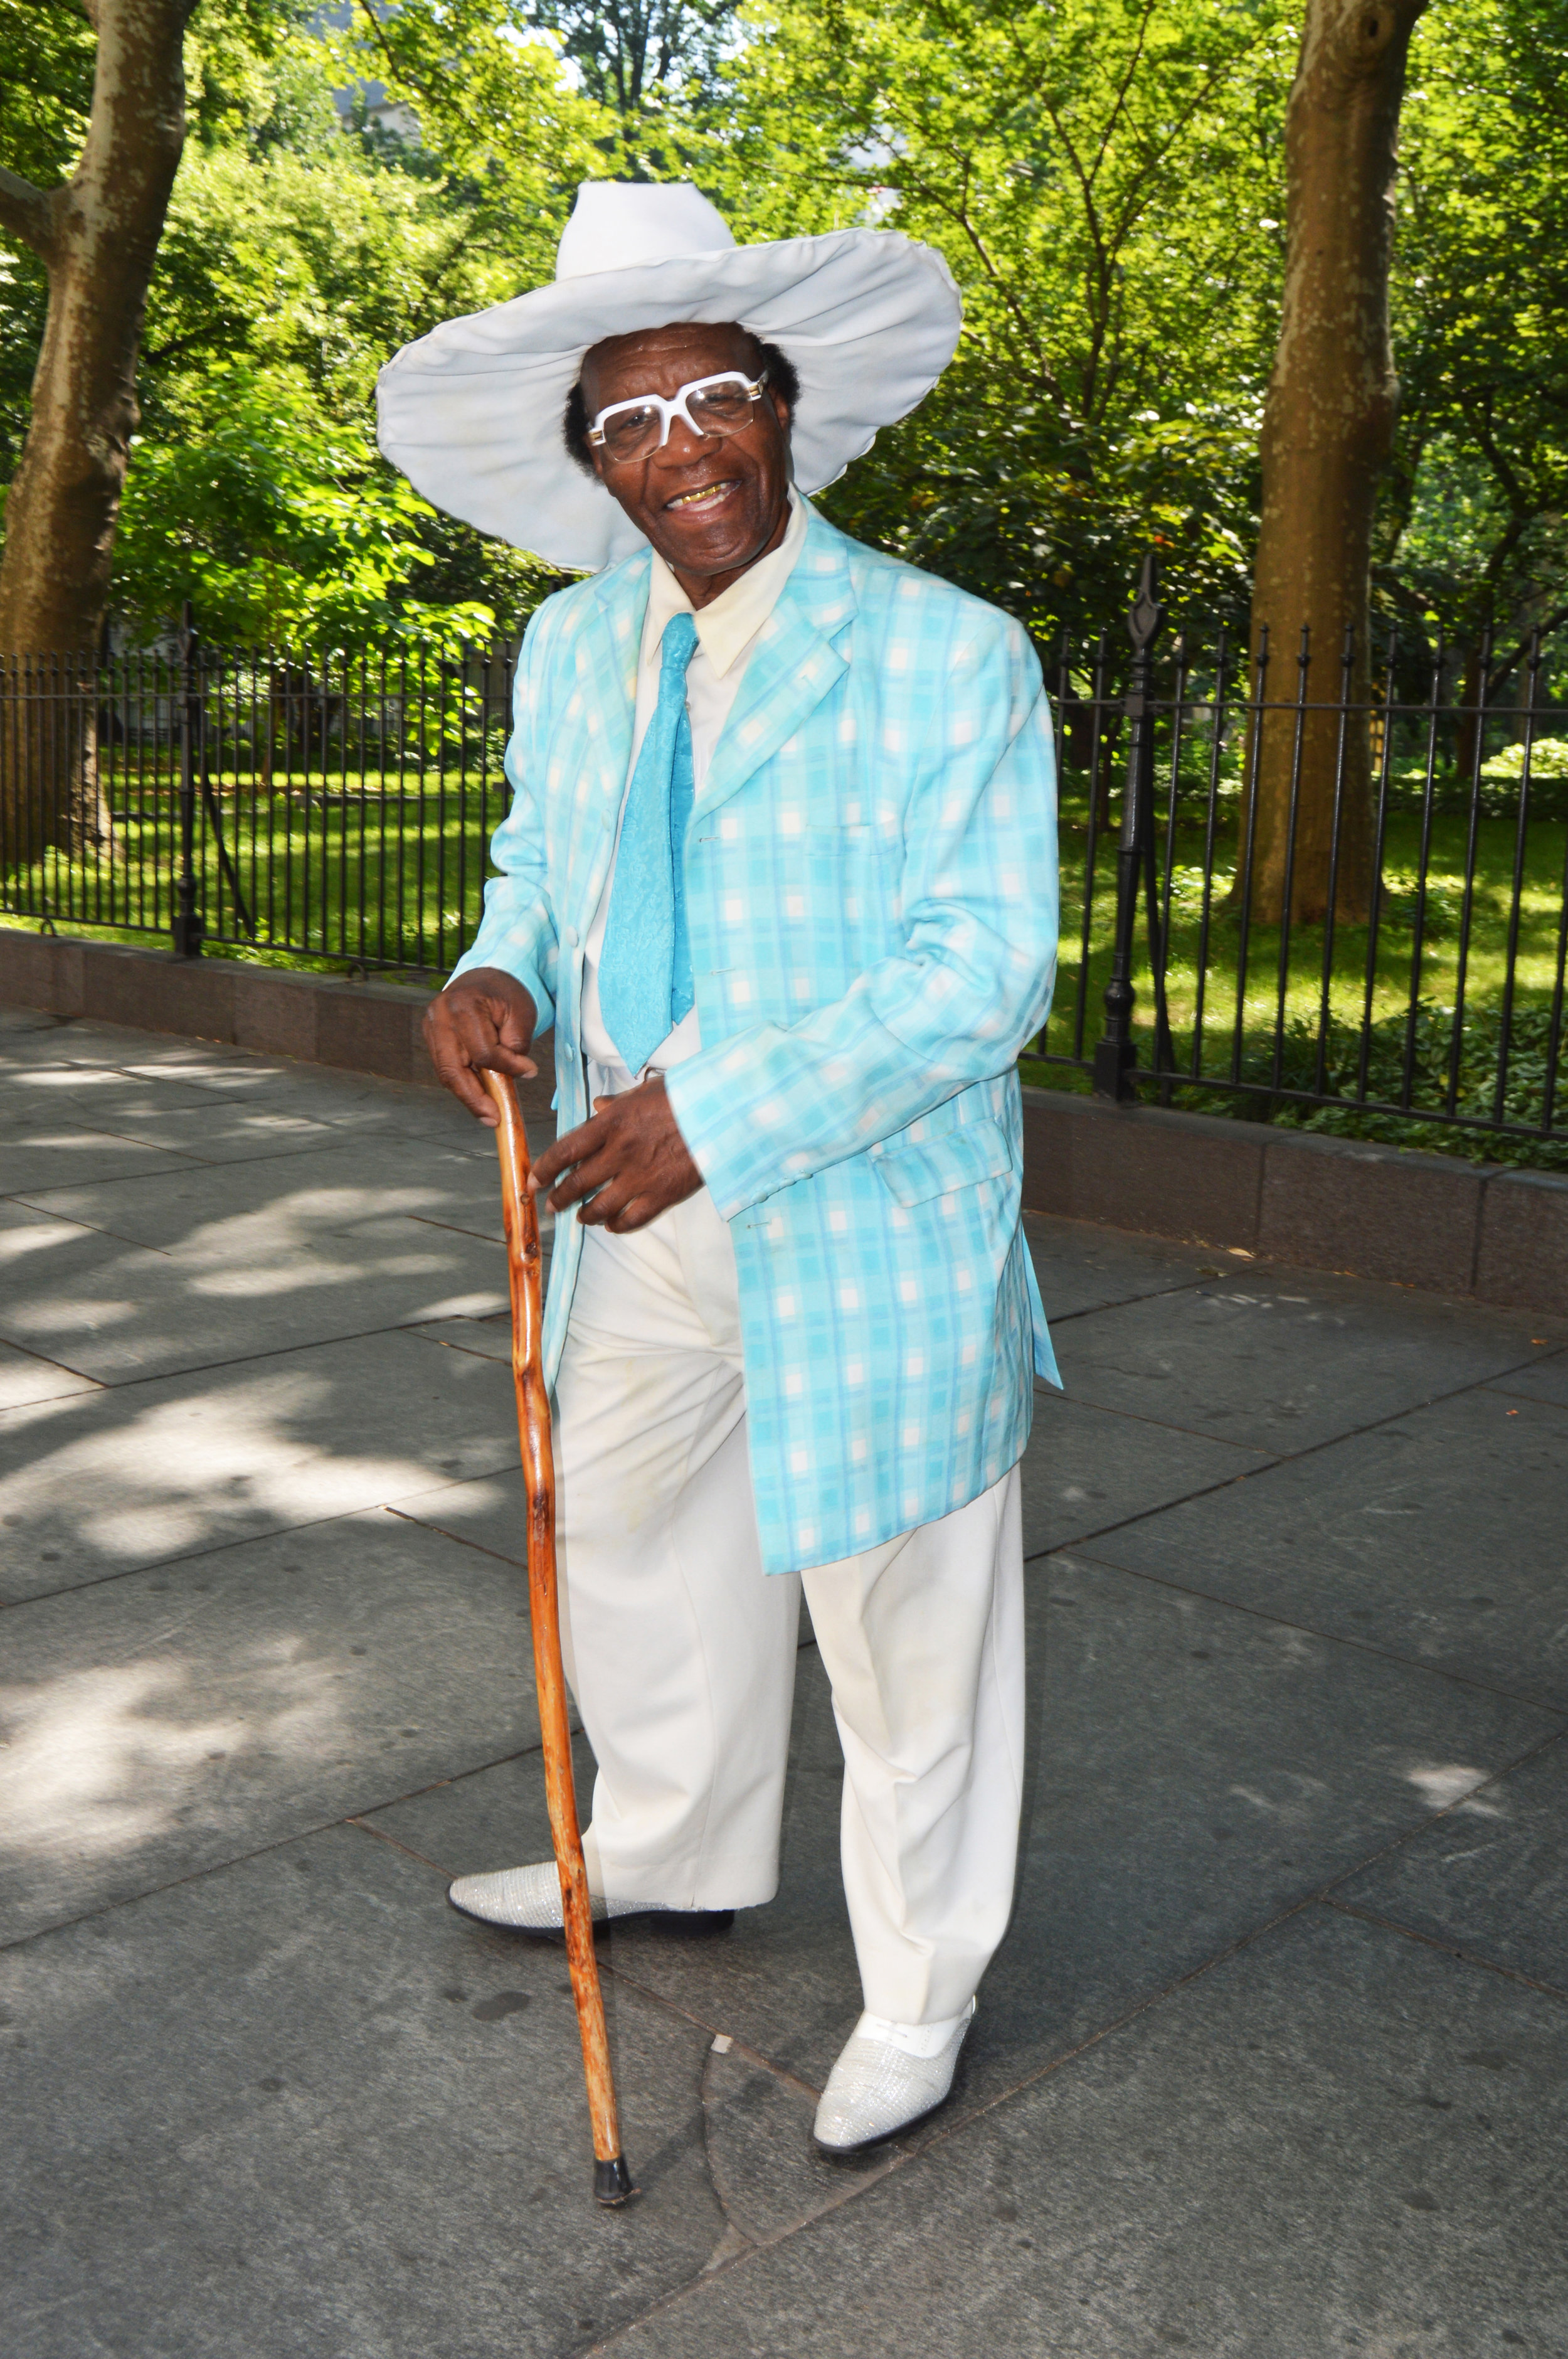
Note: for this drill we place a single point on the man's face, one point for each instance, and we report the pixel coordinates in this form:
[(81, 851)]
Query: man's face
[(710, 505)]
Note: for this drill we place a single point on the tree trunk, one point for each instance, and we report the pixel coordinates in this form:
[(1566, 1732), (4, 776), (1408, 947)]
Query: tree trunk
[(98, 237), (1329, 427)]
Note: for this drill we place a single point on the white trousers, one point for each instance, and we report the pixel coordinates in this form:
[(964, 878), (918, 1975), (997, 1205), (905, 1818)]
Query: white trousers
[(681, 1651)]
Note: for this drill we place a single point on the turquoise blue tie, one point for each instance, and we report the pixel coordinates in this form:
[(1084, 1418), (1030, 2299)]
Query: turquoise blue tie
[(644, 969)]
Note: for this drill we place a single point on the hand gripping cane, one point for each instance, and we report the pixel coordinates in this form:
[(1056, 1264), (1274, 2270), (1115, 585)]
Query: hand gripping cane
[(611, 2179)]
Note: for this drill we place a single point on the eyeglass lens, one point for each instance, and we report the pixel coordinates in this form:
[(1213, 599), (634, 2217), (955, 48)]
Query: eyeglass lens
[(712, 409)]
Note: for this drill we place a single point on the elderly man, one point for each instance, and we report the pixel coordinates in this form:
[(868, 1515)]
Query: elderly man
[(780, 873)]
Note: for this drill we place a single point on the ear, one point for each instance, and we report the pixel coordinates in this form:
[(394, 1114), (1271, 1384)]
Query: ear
[(781, 410)]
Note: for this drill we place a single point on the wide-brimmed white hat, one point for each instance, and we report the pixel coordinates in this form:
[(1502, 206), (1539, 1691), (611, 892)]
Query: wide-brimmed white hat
[(472, 413)]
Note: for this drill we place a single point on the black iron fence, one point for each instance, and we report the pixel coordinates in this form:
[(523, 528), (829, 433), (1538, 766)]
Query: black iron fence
[(332, 807), (1298, 879), (1322, 884)]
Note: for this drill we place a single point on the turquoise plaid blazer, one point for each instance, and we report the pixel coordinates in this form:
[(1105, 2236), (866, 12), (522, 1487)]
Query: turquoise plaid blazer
[(871, 898)]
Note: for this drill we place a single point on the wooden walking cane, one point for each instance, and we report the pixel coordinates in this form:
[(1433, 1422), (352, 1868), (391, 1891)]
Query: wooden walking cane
[(611, 2179)]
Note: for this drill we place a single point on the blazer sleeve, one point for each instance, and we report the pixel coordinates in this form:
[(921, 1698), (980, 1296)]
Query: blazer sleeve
[(970, 985), (517, 931)]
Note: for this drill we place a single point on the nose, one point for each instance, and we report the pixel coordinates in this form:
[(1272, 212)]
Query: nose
[(692, 444)]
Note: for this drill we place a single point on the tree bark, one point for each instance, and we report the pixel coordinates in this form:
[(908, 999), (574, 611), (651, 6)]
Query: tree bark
[(97, 236), (1328, 426)]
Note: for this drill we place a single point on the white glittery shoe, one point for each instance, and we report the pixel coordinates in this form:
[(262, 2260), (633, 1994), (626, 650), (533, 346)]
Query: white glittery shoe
[(525, 1899), (528, 1900), (881, 2083)]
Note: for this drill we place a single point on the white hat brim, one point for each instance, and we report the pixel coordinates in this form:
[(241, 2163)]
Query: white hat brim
[(472, 413)]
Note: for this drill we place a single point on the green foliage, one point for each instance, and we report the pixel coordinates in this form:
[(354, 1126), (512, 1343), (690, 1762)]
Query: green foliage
[(513, 136), (629, 52), (1102, 177), (1548, 759), (1473, 1061), (46, 85), (296, 255), (1472, 516), (281, 527)]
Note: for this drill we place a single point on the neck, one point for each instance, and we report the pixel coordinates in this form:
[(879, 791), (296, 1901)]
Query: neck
[(703, 587)]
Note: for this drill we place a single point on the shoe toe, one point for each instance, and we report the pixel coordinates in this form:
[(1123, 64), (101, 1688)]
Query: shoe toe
[(523, 1899), (876, 2090)]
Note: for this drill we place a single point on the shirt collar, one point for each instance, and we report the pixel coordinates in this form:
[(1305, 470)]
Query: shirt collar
[(728, 624)]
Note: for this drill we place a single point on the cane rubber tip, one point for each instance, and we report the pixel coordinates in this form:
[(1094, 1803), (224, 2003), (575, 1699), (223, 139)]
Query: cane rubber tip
[(612, 2181)]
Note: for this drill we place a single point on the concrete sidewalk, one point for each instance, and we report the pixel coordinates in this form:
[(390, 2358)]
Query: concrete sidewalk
[(1274, 2061)]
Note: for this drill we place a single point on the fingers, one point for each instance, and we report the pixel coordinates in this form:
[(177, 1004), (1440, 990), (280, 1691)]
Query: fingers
[(600, 1161), (476, 1025), (453, 1068), (570, 1148), (632, 1216), (623, 1168), (586, 1179), (473, 1027)]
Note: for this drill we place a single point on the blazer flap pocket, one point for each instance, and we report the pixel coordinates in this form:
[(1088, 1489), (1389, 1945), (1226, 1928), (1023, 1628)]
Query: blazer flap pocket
[(937, 1166)]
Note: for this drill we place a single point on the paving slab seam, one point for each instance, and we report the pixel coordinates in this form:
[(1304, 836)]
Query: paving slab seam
[(1449, 1809), (189, 1156), (606, 1967), (1266, 1458), (118, 1384), (1176, 1499), (407, 1849), (1307, 1629), (452, 1228), (44, 1361), (447, 1345), (1312, 1449), (90, 1228), (940, 2136), (1319, 1897), (240, 1858), (464, 1539), (699, 2023), (1093, 1310), (1448, 1949), (1282, 1457), (272, 1531), (1500, 1383)]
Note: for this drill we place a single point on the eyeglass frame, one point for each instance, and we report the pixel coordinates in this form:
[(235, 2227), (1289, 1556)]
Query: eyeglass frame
[(676, 407)]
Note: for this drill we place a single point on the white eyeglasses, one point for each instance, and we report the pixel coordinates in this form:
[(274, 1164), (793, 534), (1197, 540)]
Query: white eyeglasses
[(709, 405)]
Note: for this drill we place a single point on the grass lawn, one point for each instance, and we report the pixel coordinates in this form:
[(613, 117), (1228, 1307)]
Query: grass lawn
[(1301, 1029), (391, 877)]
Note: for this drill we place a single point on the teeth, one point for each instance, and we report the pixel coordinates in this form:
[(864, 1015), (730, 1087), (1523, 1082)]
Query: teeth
[(707, 492)]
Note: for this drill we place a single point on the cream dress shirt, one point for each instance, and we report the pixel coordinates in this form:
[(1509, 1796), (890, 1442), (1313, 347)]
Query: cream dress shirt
[(726, 629)]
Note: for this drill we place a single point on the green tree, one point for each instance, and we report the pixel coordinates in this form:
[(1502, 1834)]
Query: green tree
[(1103, 177), (282, 528), (631, 52), (295, 259), (1472, 525), (1328, 426), (45, 89)]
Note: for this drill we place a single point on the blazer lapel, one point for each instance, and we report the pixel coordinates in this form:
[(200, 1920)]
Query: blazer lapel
[(609, 637), (598, 656), (792, 666)]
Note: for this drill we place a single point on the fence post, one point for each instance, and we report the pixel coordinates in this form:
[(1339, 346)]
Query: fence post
[(1115, 1053), (187, 928)]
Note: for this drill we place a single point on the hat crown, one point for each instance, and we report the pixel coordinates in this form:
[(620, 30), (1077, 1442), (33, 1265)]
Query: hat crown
[(622, 225)]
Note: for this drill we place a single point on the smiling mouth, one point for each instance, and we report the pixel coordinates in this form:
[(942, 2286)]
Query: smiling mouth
[(704, 495)]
